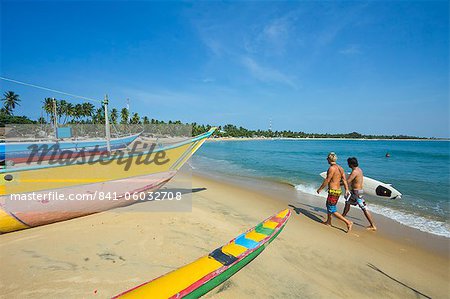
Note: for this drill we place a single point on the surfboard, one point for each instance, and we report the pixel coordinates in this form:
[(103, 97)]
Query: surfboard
[(199, 277), (376, 188)]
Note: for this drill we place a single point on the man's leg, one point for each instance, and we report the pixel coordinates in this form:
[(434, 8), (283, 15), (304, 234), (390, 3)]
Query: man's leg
[(346, 209), (362, 204), (328, 222), (342, 218), (370, 219)]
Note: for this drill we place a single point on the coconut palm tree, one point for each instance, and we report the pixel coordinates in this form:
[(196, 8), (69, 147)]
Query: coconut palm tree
[(69, 112), (78, 111), (124, 114), (145, 120), (88, 110), (10, 101), (41, 120), (114, 115), (135, 119), (99, 116), (61, 108), (48, 108)]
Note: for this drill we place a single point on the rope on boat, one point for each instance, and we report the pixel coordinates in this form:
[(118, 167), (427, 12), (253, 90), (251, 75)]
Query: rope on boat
[(49, 89)]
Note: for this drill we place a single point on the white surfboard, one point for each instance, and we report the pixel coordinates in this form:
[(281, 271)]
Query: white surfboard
[(376, 188)]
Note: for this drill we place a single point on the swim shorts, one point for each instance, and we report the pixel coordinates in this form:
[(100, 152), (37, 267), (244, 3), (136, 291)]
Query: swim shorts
[(356, 198), (331, 208), (332, 199)]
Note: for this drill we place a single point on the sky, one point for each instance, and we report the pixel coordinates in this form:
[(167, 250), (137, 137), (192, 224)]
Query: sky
[(327, 67)]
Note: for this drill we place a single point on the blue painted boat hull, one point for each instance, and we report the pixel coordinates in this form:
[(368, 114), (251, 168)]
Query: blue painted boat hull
[(15, 150)]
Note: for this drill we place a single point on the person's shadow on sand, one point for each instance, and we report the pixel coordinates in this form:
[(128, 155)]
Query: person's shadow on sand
[(316, 209), (310, 215), (313, 216)]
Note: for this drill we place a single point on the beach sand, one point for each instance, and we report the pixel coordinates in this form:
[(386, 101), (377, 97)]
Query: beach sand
[(101, 255)]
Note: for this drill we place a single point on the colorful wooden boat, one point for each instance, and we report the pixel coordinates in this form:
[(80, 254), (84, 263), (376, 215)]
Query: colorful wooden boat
[(30, 196), (19, 152), (199, 277)]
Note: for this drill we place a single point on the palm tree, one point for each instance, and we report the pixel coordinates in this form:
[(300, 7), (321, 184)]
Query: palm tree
[(78, 111), (10, 101), (69, 112), (61, 108), (99, 116), (124, 114), (87, 110), (145, 120), (48, 108), (41, 120), (114, 115), (135, 119)]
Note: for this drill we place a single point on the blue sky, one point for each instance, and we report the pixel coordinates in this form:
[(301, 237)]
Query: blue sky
[(372, 67)]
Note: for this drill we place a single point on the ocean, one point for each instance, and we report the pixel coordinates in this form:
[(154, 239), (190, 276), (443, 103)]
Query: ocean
[(418, 169)]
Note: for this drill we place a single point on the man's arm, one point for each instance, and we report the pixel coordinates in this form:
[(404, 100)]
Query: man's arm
[(344, 180), (327, 180), (351, 177)]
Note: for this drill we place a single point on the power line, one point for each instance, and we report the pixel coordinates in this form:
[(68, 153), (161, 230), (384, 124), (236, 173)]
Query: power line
[(49, 89)]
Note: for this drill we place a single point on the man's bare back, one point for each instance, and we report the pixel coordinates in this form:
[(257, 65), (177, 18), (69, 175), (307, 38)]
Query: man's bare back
[(356, 179), (337, 175)]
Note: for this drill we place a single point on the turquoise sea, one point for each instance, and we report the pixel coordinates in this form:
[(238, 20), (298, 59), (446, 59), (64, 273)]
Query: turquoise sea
[(418, 169)]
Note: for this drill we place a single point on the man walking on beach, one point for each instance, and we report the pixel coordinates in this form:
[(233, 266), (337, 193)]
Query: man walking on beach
[(356, 180), (335, 175)]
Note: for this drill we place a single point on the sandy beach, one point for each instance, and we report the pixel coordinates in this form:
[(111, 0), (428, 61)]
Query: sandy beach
[(101, 255)]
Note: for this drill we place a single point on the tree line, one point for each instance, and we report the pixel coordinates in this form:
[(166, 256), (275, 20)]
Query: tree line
[(87, 113)]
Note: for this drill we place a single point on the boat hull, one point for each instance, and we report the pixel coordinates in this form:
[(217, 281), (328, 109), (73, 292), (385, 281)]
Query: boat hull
[(201, 276), (21, 151), (114, 176), (66, 203)]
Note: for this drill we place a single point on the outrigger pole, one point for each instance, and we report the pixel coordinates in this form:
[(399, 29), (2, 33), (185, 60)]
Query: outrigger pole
[(55, 118), (108, 132)]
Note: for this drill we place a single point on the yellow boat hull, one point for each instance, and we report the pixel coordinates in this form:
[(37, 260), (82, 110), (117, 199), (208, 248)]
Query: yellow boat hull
[(31, 196)]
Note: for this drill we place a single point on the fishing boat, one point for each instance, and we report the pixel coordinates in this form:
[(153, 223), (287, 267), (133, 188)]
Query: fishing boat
[(201, 276), (19, 152), (34, 195)]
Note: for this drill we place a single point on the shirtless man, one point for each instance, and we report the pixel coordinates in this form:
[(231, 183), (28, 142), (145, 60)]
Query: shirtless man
[(355, 180), (335, 175)]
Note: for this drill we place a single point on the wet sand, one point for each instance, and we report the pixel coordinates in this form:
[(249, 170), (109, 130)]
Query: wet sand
[(101, 255)]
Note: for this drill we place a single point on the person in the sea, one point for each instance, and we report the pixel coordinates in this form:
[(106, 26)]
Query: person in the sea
[(356, 181), (335, 175)]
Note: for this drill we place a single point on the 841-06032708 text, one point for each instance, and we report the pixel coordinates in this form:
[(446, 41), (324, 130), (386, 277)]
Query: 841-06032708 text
[(141, 196)]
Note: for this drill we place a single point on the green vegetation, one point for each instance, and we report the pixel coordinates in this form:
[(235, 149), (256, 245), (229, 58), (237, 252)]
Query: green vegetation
[(11, 119), (233, 131), (87, 113), (10, 101)]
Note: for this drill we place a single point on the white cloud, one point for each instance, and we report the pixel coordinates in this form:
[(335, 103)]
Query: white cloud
[(276, 30), (265, 74)]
